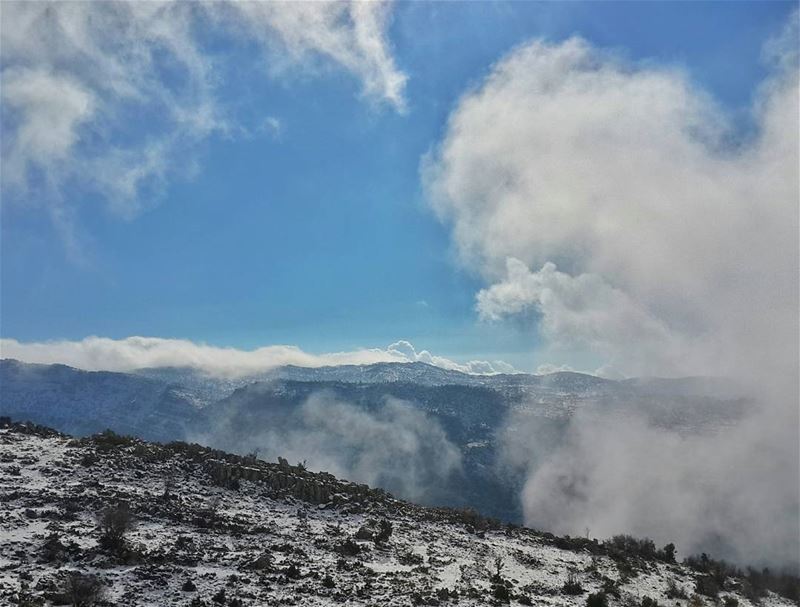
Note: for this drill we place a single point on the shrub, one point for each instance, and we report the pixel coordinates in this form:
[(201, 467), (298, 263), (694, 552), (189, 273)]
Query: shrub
[(597, 599), (83, 590), (674, 591), (89, 459), (696, 601), (572, 586), (648, 602), (347, 548), (500, 593), (707, 585), (445, 594), (627, 545), (108, 440), (53, 550), (730, 601), (115, 522), (292, 571), (610, 587)]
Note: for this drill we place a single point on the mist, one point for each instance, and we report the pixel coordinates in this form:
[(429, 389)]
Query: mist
[(732, 493), (393, 445), (639, 225)]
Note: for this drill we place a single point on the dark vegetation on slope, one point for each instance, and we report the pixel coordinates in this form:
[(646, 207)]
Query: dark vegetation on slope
[(116, 519)]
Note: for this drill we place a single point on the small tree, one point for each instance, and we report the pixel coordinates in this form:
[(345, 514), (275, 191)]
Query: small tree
[(83, 590), (115, 523)]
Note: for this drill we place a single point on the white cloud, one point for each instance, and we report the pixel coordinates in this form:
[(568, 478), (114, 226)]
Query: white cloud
[(677, 253), (114, 97), (734, 495), (77, 79), (350, 34), (103, 353), (406, 350), (50, 110), (582, 312), (668, 239), (548, 368)]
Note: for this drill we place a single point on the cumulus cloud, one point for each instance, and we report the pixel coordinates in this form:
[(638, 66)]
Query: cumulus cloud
[(130, 353), (114, 97), (395, 445), (582, 312), (622, 176), (620, 208)]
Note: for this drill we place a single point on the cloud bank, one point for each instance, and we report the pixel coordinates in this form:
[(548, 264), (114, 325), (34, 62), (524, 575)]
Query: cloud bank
[(113, 98), (620, 208), (105, 354)]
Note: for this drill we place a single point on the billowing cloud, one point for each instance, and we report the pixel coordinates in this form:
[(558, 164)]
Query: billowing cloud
[(731, 495), (625, 213), (582, 312), (626, 179), (114, 97), (102, 353)]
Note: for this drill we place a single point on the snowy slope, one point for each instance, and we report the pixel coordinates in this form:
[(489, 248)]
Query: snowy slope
[(284, 537)]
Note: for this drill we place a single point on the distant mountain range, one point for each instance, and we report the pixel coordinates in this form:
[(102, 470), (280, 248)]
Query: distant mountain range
[(236, 414)]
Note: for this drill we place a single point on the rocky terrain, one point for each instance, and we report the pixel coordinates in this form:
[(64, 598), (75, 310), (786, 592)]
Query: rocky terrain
[(112, 520)]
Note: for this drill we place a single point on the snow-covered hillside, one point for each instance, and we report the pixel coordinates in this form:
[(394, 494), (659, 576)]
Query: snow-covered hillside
[(211, 528)]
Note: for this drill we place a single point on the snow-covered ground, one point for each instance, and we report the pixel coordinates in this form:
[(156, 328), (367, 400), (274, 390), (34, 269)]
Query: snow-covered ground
[(262, 546)]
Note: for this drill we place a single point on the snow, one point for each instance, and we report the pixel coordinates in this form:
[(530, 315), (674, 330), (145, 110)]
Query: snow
[(425, 552)]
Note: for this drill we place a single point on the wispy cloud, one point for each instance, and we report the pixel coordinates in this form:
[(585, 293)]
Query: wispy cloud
[(102, 353), (113, 98)]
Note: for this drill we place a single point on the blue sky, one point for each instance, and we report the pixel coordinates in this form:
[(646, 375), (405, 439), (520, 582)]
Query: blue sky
[(319, 233)]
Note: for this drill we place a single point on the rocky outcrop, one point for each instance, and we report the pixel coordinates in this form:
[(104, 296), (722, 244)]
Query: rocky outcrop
[(315, 488)]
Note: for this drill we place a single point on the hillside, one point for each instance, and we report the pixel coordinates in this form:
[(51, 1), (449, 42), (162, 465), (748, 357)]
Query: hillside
[(125, 522), (471, 411), (82, 402)]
